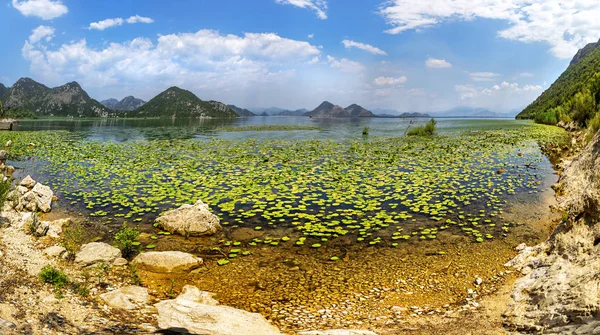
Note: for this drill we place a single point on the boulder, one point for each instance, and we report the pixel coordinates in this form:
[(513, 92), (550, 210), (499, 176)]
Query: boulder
[(120, 262), (125, 297), (55, 227), (167, 261), (338, 332), (43, 197), (192, 293), (190, 220), (3, 155), (182, 314), (54, 251), (28, 182), (96, 252), (29, 222), (27, 202)]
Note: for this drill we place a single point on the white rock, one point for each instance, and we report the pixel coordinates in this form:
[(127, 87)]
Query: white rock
[(190, 220), (96, 252), (123, 298), (192, 293), (197, 318), (28, 182), (43, 196), (9, 143), (120, 262), (478, 281), (167, 261), (55, 227), (54, 251)]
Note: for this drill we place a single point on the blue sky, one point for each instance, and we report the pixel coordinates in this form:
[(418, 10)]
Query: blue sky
[(408, 55)]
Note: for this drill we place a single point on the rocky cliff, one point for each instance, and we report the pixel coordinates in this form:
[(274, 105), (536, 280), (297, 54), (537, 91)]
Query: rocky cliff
[(560, 292)]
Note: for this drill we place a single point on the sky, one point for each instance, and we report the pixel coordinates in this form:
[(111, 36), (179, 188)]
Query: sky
[(406, 55)]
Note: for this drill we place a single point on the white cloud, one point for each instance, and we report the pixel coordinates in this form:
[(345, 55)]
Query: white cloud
[(345, 65), (437, 63), (104, 24), (139, 19), (388, 81), (41, 32), (205, 61), (101, 25), (564, 25), (44, 9), (483, 76), (311, 35), (504, 89), (366, 47), (318, 6)]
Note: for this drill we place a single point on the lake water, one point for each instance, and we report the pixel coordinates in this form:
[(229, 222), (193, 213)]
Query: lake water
[(123, 130), (388, 221)]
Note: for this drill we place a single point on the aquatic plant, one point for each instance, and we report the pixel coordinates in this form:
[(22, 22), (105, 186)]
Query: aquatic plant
[(322, 189), (126, 240), (365, 130), (427, 130)]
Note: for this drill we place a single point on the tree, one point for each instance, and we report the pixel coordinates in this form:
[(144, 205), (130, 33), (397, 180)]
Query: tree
[(584, 106)]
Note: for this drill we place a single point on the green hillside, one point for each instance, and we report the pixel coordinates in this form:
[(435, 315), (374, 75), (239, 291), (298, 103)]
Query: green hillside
[(176, 102), (574, 96)]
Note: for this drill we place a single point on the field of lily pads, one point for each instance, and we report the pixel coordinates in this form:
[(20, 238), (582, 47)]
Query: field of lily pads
[(412, 187)]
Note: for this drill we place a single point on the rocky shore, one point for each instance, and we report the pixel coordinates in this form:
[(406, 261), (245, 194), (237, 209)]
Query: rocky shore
[(559, 291)]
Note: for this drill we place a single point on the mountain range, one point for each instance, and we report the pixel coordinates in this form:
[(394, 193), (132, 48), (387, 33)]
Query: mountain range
[(177, 102), (129, 103), (472, 113), (241, 111), (275, 111), (329, 110), (37, 99)]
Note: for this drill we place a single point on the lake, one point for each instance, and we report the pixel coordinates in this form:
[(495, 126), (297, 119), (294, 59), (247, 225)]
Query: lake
[(313, 220), (122, 130)]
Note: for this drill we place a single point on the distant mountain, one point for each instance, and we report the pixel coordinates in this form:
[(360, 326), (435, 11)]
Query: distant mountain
[(297, 112), (110, 103), (581, 77), (127, 104), (176, 102), (329, 110), (38, 100), (3, 89), (276, 111), (241, 111), (472, 112)]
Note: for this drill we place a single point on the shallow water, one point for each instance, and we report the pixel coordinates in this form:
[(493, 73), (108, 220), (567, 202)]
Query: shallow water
[(299, 287)]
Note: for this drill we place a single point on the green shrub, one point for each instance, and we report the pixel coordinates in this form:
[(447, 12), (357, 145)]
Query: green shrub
[(366, 130), (4, 189), (72, 238), (548, 117), (584, 107), (54, 276), (427, 130), (593, 126), (125, 239)]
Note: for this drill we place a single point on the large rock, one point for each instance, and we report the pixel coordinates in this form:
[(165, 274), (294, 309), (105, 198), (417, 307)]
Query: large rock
[(125, 297), (560, 290), (338, 332), (190, 220), (96, 252), (185, 313), (54, 251), (28, 182), (43, 197), (31, 196), (167, 261)]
